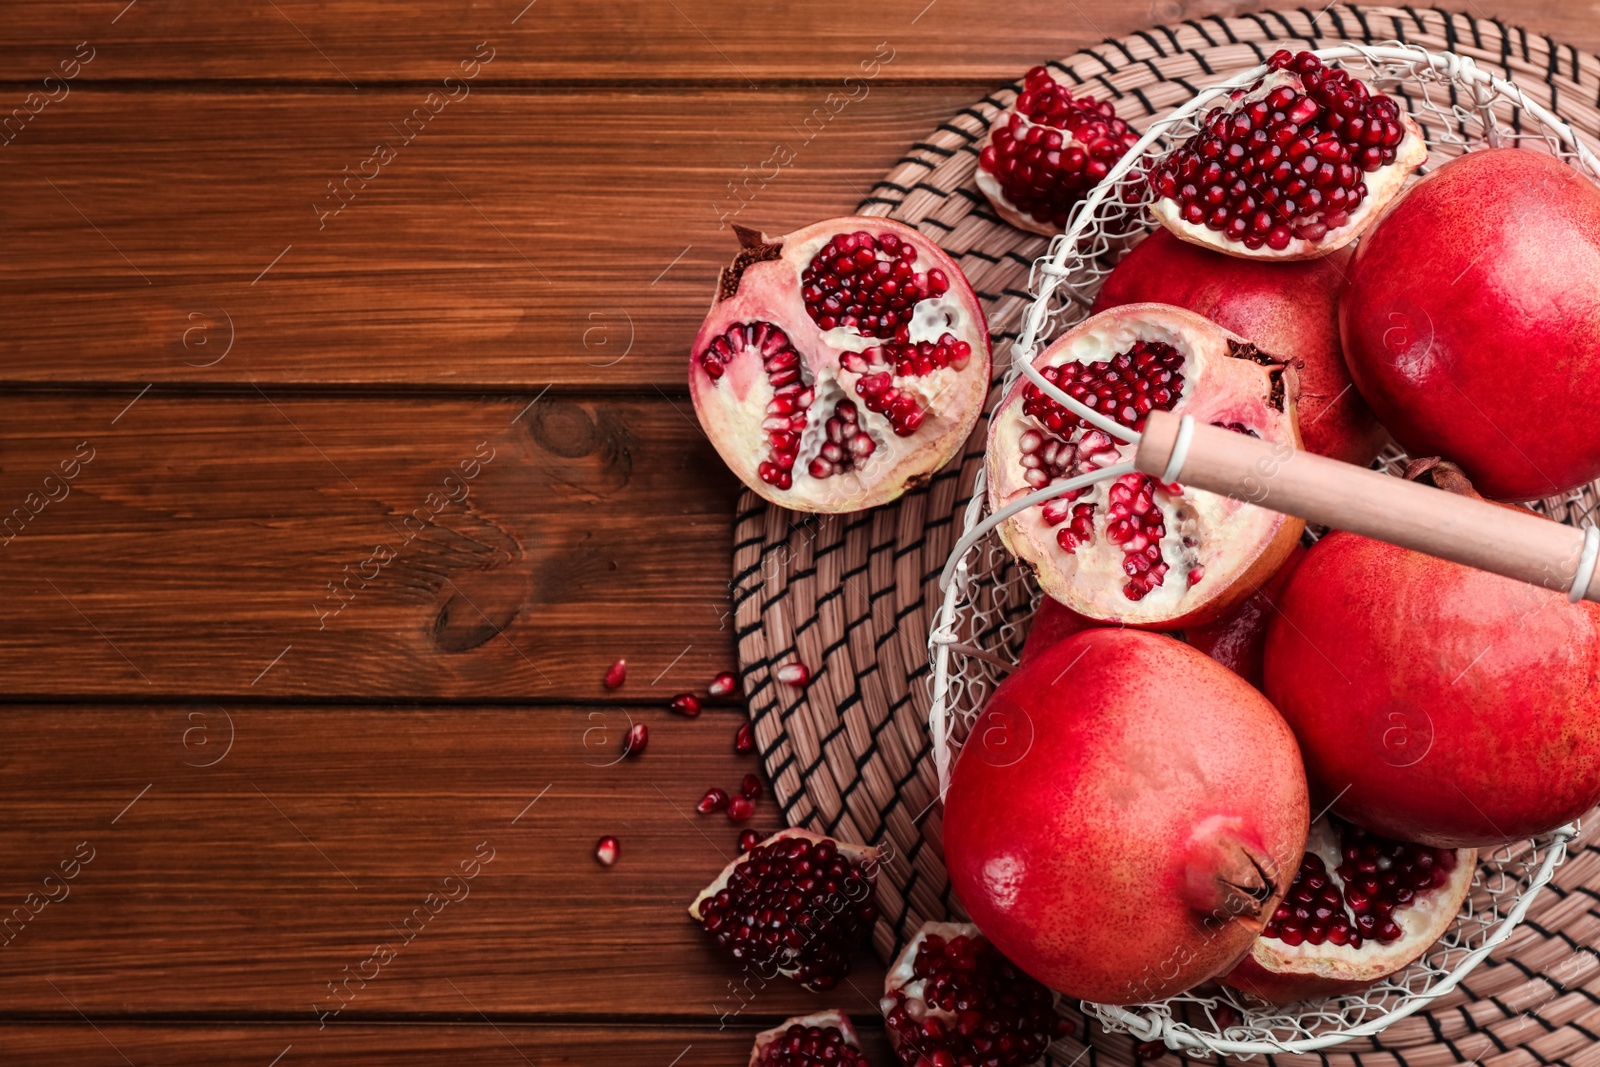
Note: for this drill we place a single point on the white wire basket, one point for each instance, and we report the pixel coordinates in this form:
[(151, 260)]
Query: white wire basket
[(988, 599)]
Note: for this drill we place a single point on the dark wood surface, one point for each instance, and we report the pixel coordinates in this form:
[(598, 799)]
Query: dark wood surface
[(255, 397)]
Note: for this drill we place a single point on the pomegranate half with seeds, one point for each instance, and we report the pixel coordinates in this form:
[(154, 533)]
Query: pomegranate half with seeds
[(950, 998), (826, 1039), (1135, 550), (797, 904), (1045, 152), (1293, 167), (1361, 908), (841, 364)]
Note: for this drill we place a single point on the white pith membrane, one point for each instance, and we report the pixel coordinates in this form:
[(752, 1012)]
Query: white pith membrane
[(1383, 185), (1216, 539), (734, 408), (821, 1020), (1422, 921)]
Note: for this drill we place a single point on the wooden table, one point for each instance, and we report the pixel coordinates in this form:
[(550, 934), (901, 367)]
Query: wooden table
[(345, 444)]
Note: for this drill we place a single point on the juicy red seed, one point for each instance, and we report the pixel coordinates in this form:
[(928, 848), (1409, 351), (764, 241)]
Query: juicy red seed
[(881, 366), (785, 417), (809, 1046), (714, 800), (751, 787), (1125, 388), (794, 905), (1135, 521), (635, 740), (745, 739), (988, 1010), (845, 444), (1377, 877), (606, 851), (867, 283), (686, 704), (740, 809), (616, 674), (794, 673), (749, 839), (723, 685), (1254, 191)]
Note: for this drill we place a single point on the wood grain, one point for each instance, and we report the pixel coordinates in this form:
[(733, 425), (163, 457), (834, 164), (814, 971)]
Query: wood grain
[(248, 885), (205, 537)]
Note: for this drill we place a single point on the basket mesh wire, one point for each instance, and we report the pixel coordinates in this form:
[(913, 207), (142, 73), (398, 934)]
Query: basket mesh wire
[(977, 635)]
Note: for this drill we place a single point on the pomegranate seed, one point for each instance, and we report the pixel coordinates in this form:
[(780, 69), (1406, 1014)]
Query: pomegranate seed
[(786, 412), (750, 787), (606, 851), (616, 674), (868, 284), (686, 704), (749, 839), (1124, 388), (714, 800), (796, 674), (740, 809), (723, 685), (745, 739), (845, 442), (635, 740), (806, 1044)]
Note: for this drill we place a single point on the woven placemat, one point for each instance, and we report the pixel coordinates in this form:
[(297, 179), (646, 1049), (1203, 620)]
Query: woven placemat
[(852, 596)]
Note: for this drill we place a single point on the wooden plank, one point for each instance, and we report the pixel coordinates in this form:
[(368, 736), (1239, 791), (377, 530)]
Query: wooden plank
[(347, 43), (470, 1042), (245, 878), (519, 239), (284, 546)]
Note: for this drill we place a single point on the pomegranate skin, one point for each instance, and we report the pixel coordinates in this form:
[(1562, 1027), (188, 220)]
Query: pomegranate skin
[(1439, 704), (1124, 816), (1288, 309), (1472, 321)]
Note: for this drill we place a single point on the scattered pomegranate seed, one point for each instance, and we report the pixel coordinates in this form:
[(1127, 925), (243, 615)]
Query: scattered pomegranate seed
[(634, 741), (749, 839), (751, 787), (606, 851), (740, 809), (616, 674), (723, 685), (745, 739), (795, 673), (686, 704), (1149, 1050), (714, 800)]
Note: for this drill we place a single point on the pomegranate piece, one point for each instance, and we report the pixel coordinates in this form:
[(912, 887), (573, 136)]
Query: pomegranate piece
[(749, 839), (724, 684), (1361, 908), (798, 904), (750, 787), (686, 704), (740, 808), (635, 740), (841, 364), (826, 1039), (744, 739), (1440, 704), (616, 674), (1288, 309), (1472, 321), (606, 851), (951, 997), (1292, 168), (1135, 551), (1045, 152), (796, 674), (714, 800), (1064, 816)]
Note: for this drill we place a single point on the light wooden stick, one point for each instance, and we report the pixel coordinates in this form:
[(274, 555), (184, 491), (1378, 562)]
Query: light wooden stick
[(1476, 533)]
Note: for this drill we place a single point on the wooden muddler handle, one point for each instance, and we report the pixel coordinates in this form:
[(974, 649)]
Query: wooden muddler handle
[(1476, 533)]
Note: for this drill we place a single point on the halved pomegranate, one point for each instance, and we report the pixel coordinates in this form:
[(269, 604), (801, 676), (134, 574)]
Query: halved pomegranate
[(1135, 550), (951, 998), (1045, 152), (841, 364), (1293, 167), (826, 1039), (1361, 908), (797, 904)]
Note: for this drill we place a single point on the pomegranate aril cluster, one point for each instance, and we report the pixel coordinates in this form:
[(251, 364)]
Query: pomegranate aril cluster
[(807, 1046), (1124, 388), (976, 1008), (880, 365), (785, 417), (1053, 148), (797, 905), (1290, 165), (867, 283), (1378, 874), (845, 444)]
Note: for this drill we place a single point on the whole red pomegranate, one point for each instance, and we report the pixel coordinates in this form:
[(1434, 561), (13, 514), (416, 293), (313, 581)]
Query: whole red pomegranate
[(1436, 703), (841, 364), (1124, 817), (1472, 321), (1288, 309)]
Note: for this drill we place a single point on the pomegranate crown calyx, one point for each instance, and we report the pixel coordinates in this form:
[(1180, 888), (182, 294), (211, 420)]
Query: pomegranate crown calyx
[(753, 248)]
